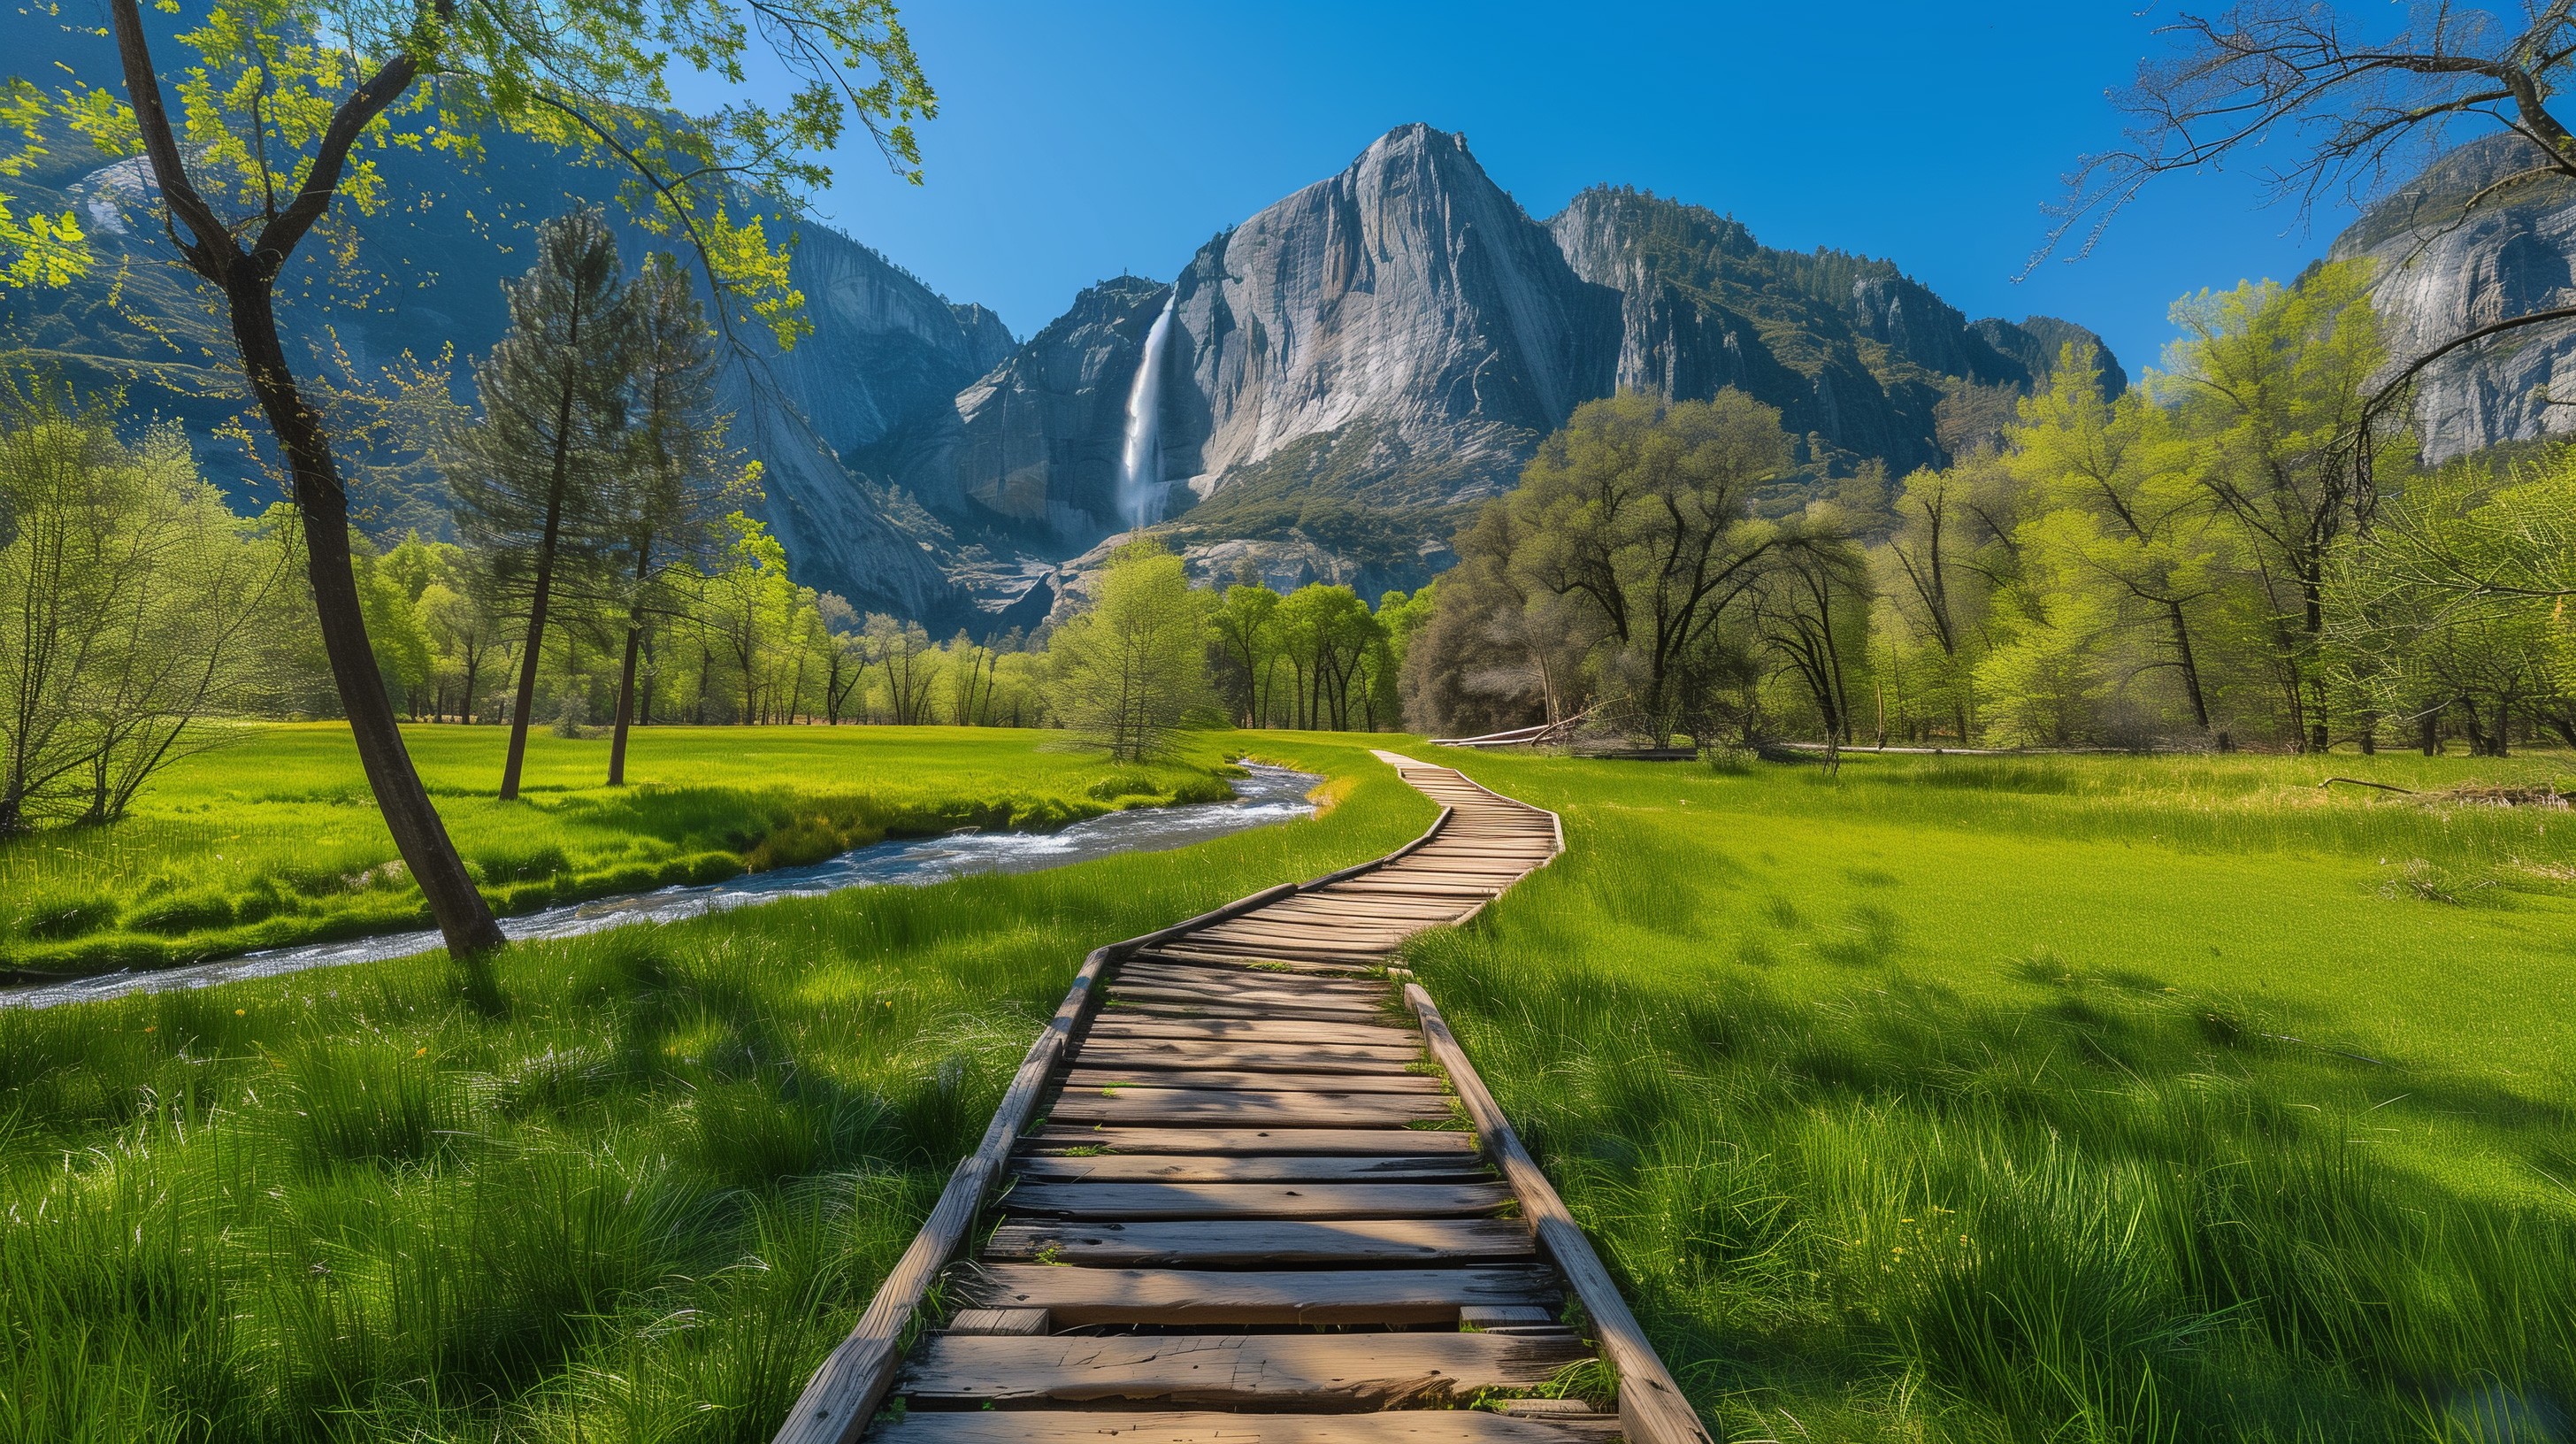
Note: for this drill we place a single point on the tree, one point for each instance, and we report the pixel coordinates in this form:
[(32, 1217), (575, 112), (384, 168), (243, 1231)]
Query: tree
[(1812, 612), (911, 665), (1497, 652), (277, 133), (2127, 512), (967, 667), (1245, 620), (674, 475), (535, 479), (2364, 101), (129, 599), (1132, 669), (2268, 389), (845, 655), (1325, 632), (1640, 513)]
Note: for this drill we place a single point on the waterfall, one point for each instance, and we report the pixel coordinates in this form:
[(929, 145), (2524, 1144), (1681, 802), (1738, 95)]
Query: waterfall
[(1140, 465)]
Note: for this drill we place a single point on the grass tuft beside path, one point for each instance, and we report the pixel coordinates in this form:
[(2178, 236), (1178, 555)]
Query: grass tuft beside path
[(625, 1187), (2098, 1098), (277, 841)]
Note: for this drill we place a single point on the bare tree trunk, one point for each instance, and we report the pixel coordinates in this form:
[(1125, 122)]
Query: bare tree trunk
[(464, 919), (625, 707), (529, 655)]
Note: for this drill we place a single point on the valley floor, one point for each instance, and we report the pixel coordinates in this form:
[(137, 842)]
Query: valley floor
[(1953, 1099), (2097, 1098), (275, 839)]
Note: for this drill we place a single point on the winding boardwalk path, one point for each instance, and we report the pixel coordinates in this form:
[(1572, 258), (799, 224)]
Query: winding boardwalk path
[(1237, 1204)]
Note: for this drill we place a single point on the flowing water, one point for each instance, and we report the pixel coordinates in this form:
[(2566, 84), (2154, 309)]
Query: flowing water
[(1266, 795), (1140, 461)]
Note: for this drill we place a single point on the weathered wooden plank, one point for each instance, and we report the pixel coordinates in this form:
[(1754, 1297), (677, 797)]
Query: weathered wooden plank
[(1256, 1030), (1413, 887), (1317, 947), (1651, 1405), (1357, 1060), (1372, 997), (1242, 1168), (1245, 1108), (1078, 1296), (1384, 1141), (1152, 996), (1243, 955), (1268, 924), (1266, 949), (1153, 1009), (1232, 1079), (1008, 1322), (1257, 1200), (1047, 1426), (1196, 957), (1235, 1242), (1314, 1372), (1251, 981)]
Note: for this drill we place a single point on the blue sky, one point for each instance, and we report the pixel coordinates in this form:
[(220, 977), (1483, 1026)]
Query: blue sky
[(1076, 142)]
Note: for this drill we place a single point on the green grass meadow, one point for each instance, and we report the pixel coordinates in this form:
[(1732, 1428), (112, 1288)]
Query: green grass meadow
[(2057, 1099), (626, 1187), (276, 840), (1952, 1099)]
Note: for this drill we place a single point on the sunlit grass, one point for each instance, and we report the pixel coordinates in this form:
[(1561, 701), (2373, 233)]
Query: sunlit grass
[(276, 840), (621, 1188), (2084, 1098)]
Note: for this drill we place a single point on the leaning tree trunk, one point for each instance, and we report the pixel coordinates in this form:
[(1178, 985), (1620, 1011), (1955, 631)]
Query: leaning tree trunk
[(625, 701), (464, 919)]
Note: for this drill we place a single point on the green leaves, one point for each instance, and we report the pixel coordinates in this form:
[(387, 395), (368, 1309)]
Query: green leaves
[(276, 100)]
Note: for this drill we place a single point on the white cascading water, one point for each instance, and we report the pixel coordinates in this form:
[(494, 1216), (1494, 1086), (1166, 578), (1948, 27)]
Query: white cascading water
[(1140, 465)]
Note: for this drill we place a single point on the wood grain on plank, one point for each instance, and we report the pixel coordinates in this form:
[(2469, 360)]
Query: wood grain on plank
[(1317, 1372), (1227, 1242), (1254, 1030), (1046, 1426), (1079, 1296), (1190, 1075), (1395, 1142), (1244, 1168), (1357, 1059), (1258, 1200), (1205, 1108)]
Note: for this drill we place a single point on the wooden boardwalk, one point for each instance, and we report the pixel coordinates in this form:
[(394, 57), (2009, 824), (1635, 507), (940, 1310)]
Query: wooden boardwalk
[(1248, 1193)]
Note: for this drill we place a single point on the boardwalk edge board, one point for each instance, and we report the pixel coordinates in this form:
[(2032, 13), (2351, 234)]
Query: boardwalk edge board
[(1396, 1263)]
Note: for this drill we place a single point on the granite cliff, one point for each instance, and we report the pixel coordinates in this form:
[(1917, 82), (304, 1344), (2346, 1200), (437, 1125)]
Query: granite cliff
[(2437, 274), (1355, 367)]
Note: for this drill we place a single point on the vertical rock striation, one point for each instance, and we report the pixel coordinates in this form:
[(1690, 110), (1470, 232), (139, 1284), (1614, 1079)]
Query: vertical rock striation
[(2436, 275)]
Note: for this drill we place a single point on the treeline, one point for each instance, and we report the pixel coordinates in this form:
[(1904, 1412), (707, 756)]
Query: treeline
[(2241, 551)]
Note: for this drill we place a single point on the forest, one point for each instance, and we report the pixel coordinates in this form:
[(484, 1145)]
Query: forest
[(2204, 561)]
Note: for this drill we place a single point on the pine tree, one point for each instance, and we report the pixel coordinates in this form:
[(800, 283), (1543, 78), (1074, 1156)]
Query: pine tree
[(673, 489), (531, 479)]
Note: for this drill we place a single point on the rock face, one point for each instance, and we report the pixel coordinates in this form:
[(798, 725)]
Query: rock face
[(2436, 276), (1030, 451), (1352, 369), (1408, 291)]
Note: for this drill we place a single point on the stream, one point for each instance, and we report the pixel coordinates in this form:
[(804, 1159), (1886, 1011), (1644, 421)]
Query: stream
[(1266, 795)]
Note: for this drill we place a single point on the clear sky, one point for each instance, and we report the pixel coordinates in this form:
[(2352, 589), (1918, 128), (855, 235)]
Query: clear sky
[(1079, 141)]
